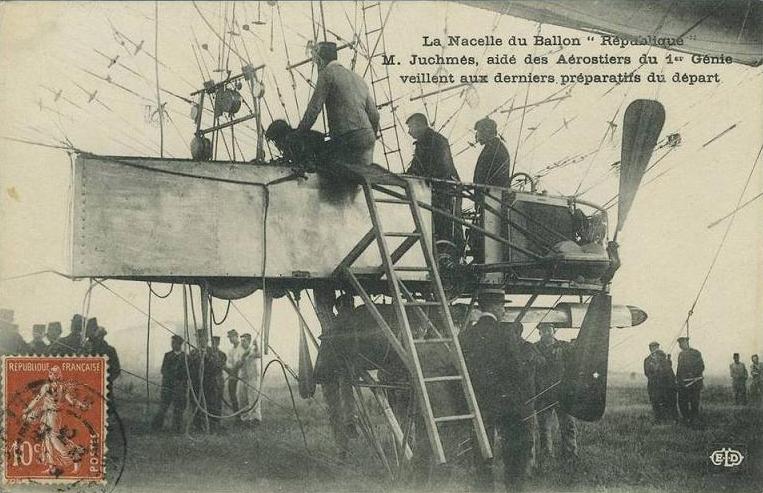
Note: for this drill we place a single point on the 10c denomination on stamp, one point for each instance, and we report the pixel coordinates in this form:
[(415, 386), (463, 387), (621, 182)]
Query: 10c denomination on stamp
[(54, 427)]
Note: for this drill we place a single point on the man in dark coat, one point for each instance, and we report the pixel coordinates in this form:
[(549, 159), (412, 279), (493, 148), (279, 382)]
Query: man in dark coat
[(493, 163), (38, 346), (548, 380), (202, 367), (53, 335), (174, 386), (651, 371), (689, 381), (738, 373), (432, 159), (11, 341), (217, 360), (501, 385), (96, 345), (72, 342), (298, 147)]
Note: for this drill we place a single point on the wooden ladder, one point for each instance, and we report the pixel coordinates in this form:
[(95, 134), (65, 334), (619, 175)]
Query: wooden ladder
[(406, 344)]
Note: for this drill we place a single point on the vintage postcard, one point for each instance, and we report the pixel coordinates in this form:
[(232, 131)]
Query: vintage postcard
[(381, 245)]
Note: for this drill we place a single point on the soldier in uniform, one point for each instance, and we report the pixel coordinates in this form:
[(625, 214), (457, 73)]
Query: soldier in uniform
[(174, 386), (502, 387), (38, 346), (201, 366), (11, 341), (72, 342), (548, 380), (651, 371), (53, 334), (738, 373), (755, 389), (689, 381), (215, 398), (660, 383), (96, 345)]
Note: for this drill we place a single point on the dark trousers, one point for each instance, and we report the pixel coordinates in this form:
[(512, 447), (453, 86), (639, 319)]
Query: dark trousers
[(740, 392), (232, 386), (175, 397), (688, 402), (516, 446)]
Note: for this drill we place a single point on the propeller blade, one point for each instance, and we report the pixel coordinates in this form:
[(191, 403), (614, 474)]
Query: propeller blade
[(584, 384), (642, 125)]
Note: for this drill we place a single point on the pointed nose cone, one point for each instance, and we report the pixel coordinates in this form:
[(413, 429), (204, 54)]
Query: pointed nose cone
[(638, 316)]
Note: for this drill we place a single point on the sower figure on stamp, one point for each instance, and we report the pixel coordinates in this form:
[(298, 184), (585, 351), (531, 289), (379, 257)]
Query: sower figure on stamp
[(689, 381), (548, 379), (232, 367), (738, 373), (174, 386)]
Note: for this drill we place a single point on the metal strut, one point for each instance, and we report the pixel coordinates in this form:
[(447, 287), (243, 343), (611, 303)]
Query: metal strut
[(405, 343)]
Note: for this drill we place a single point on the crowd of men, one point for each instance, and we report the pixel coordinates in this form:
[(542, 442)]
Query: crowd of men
[(85, 337), (676, 396), (199, 378)]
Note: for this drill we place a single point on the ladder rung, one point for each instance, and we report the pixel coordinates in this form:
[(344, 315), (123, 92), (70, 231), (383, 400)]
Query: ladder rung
[(384, 129), (434, 340), (382, 105), (392, 201), (444, 378), (380, 79), (411, 269), (402, 234), (460, 417), (391, 152), (379, 54), (422, 303), (368, 33)]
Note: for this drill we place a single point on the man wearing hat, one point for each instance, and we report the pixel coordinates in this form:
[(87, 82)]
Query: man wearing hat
[(501, 382), (217, 360), (353, 119), (755, 384), (232, 367), (493, 163), (11, 341), (738, 373), (72, 342), (548, 380), (54, 334), (689, 381), (201, 366), (651, 371), (432, 159), (96, 345), (38, 346), (174, 386), (249, 395), (660, 383)]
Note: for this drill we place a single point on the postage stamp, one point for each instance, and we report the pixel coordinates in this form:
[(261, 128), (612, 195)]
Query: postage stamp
[(55, 421)]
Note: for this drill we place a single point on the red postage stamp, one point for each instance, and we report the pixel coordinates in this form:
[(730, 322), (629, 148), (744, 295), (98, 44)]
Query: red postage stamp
[(54, 426)]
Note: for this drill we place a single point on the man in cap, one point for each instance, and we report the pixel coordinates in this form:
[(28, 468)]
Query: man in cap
[(249, 396), (174, 386), (200, 365), (651, 371), (217, 365), (548, 380), (54, 335), (232, 367), (432, 159), (331, 373), (38, 346), (72, 342), (298, 147), (493, 163), (689, 381), (501, 384), (755, 384), (96, 345), (738, 373), (353, 119), (11, 341)]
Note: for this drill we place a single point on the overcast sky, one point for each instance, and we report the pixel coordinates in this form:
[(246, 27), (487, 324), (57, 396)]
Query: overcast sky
[(666, 247)]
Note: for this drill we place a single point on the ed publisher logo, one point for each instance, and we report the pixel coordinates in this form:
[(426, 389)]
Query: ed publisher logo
[(726, 457)]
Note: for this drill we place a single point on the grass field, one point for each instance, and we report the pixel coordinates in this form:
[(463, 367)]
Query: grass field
[(624, 452)]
